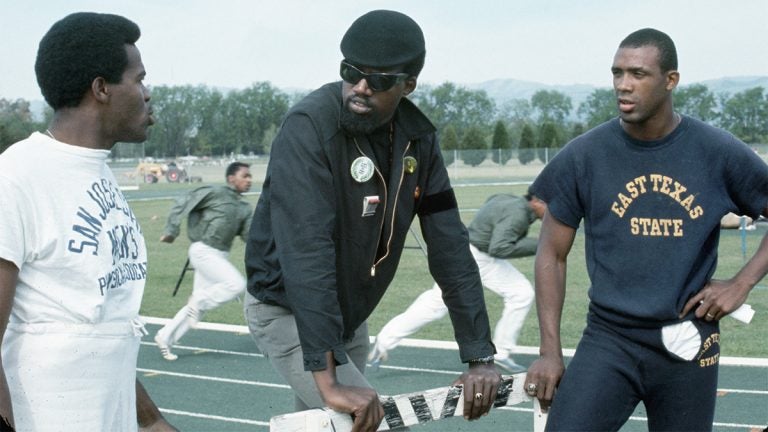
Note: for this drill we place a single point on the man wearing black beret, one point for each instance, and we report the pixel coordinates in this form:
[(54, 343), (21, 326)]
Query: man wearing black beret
[(354, 162)]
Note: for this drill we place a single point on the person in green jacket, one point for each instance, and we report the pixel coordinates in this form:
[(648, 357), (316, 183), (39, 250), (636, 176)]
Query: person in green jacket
[(217, 214), (498, 232)]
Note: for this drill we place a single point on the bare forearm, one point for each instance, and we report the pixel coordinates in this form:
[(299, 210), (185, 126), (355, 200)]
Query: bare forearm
[(148, 415), (6, 408), (550, 296), (9, 275), (556, 241)]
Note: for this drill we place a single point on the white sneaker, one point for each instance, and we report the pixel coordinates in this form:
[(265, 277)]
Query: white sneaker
[(165, 348), (509, 365), (376, 356)]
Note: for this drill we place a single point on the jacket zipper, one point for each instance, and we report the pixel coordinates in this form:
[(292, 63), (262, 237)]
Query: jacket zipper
[(394, 209)]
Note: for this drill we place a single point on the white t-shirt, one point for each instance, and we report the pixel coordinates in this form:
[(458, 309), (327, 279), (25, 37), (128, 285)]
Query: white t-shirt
[(70, 348), (68, 228)]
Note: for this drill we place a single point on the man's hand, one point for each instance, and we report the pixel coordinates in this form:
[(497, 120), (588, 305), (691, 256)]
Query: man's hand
[(542, 379), (480, 384), (717, 299), (167, 238), (362, 402)]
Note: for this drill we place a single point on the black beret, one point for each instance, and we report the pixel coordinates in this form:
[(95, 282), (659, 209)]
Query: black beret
[(383, 38)]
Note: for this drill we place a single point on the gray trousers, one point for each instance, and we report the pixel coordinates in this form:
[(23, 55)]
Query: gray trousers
[(274, 330)]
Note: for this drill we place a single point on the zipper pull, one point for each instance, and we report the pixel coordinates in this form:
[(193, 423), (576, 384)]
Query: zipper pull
[(373, 270)]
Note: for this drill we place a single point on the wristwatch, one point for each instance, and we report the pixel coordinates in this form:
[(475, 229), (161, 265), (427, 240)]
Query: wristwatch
[(482, 360)]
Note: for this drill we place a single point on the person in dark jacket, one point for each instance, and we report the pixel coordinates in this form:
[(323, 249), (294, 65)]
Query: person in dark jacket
[(498, 232), (215, 216), (353, 163)]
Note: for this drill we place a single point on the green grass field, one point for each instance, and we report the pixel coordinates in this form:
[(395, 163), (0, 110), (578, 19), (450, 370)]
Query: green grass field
[(166, 262)]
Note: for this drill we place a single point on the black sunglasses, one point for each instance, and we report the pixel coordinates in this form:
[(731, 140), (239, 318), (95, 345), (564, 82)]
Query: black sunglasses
[(377, 82)]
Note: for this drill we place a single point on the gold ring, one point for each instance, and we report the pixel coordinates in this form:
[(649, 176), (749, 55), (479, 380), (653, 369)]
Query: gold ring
[(478, 396), (709, 315), (531, 388)]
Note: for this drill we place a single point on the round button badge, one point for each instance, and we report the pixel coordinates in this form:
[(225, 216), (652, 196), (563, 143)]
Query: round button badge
[(362, 169)]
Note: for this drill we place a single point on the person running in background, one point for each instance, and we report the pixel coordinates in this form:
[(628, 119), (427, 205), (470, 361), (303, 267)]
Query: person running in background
[(216, 215), (498, 232)]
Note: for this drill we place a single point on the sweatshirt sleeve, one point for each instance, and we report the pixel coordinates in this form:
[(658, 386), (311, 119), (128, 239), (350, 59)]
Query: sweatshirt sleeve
[(509, 240), (184, 205)]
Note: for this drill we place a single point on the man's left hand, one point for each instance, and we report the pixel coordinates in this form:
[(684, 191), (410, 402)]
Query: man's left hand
[(480, 385)]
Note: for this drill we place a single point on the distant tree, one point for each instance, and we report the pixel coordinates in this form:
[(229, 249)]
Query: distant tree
[(269, 136), (515, 113), (696, 101), (547, 144), (527, 149), (212, 129), (449, 104), (576, 130), (177, 112), (16, 122), (251, 112), (599, 107), (501, 144), (448, 143), (551, 105), (745, 115), (473, 147)]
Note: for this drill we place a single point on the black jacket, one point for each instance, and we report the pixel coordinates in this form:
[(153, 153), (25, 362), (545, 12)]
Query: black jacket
[(312, 250)]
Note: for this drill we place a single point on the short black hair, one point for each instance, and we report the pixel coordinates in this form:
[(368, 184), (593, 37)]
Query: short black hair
[(234, 167), (659, 39), (529, 194), (78, 49)]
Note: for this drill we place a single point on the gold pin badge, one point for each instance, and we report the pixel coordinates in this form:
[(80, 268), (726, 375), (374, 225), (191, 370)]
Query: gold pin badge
[(410, 164)]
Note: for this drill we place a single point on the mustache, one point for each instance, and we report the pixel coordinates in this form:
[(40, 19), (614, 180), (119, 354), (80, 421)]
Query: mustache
[(359, 100)]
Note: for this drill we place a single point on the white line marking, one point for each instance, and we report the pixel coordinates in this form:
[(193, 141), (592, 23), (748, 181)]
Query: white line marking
[(214, 417), (210, 378), (208, 350), (754, 392), (451, 345)]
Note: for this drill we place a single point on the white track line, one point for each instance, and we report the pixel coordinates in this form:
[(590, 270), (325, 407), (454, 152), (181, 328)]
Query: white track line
[(214, 417), (450, 345), (154, 372)]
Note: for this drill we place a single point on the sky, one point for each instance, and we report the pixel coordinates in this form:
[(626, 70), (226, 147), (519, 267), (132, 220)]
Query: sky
[(294, 44)]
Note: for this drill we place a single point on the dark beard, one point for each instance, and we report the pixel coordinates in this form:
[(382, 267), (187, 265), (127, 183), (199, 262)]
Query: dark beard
[(356, 124)]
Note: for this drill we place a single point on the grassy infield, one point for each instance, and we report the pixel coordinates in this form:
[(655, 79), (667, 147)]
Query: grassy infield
[(166, 261)]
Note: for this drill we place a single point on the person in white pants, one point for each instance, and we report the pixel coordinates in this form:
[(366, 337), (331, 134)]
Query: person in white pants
[(217, 214), (500, 228)]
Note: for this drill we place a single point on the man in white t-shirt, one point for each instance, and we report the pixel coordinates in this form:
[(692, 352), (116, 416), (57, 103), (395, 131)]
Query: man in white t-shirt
[(73, 261)]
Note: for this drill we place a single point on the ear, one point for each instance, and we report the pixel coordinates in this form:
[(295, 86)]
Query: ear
[(673, 79), (410, 86), (100, 89)]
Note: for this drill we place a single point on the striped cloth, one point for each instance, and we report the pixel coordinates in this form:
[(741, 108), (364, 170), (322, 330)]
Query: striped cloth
[(407, 409)]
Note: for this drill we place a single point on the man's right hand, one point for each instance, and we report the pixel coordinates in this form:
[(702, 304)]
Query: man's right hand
[(544, 374), (166, 238), (362, 402)]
